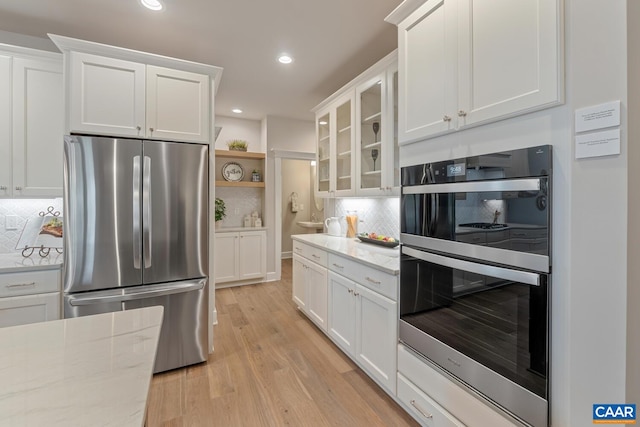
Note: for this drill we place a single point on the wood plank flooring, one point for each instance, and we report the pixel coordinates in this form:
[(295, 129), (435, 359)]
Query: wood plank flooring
[(271, 367)]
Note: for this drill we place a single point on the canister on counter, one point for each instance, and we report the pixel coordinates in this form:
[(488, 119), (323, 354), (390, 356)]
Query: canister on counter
[(352, 223)]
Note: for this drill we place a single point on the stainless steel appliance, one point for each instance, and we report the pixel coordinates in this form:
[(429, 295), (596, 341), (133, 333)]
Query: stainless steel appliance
[(475, 274), (136, 235)]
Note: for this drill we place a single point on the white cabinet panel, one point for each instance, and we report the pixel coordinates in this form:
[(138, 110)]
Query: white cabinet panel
[(29, 309), (6, 176), (240, 256), (342, 313), (377, 336), (37, 127), (422, 407), (252, 253), (317, 293), (177, 105), (299, 284), (30, 282), (226, 257), (106, 95)]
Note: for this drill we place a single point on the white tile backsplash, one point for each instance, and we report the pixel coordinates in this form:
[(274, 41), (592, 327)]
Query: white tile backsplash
[(23, 209), (240, 200), (375, 215)]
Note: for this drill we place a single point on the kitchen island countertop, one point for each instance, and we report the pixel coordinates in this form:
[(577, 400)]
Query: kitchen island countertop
[(93, 370), (380, 257), (15, 262)]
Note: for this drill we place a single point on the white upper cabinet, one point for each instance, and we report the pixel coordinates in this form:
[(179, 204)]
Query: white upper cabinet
[(6, 181), (466, 62), (123, 98), (106, 96), (120, 92), (357, 136), (31, 123), (177, 104)]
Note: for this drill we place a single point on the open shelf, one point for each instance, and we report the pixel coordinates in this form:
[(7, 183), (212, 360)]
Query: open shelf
[(239, 154), (371, 117), (245, 184), (372, 145)]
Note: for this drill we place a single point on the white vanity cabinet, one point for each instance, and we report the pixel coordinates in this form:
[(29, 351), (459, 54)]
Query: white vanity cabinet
[(240, 256), (463, 63), (29, 297), (31, 123), (110, 96), (357, 151)]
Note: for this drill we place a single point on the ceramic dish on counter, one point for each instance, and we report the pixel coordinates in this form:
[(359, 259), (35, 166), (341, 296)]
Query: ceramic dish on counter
[(366, 238)]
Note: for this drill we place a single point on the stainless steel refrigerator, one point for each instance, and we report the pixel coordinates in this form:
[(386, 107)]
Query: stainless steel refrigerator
[(136, 235)]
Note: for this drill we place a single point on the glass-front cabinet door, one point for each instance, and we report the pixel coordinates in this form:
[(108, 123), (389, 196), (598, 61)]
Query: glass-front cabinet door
[(323, 169), (377, 134), (344, 157)]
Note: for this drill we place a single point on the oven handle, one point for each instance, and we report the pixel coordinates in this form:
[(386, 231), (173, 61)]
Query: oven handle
[(529, 184), (532, 279)]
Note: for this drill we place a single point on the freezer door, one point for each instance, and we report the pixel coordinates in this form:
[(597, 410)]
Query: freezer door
[(183, 337), (101, 196), (175, 190)]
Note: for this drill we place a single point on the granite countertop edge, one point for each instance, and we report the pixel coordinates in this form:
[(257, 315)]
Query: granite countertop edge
[(378, 257)]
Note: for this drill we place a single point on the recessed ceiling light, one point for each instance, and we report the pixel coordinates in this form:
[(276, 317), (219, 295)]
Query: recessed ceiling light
[(285, 59), (152, 4), (236, 110)]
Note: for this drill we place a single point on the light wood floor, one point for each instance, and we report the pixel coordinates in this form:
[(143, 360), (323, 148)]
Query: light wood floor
[(271, 367)]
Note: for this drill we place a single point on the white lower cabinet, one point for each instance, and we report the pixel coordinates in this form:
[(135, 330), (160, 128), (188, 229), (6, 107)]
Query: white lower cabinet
[(364, 324), (240, 256), (29, 297), (310, 289), (434, 400)]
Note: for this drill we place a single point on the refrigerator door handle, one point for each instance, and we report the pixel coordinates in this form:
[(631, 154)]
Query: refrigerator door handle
[(146, 210), (136, 213), (136, 294)]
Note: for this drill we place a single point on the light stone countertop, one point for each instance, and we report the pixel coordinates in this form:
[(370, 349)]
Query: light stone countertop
[(84, 371), (15, 262), (384, 259)]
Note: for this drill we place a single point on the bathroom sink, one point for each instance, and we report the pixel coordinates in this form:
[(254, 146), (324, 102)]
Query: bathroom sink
[(311, 224)]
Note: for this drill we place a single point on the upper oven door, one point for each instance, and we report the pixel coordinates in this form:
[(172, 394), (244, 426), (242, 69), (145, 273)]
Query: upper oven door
[(504, 221)]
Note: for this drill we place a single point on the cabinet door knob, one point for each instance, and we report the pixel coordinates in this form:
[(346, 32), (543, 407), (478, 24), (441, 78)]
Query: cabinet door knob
[(18, 188), (151, 130), (3, 187), (446, 118), (462, 113), (138, 128)]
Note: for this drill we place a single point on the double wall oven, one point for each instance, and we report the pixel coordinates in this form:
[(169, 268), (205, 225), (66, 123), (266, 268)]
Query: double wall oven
[(475, 274)]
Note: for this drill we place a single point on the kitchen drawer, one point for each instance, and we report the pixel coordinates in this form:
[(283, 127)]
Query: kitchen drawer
[(312, 253), (376, 280), (29, 283), (422, 407)]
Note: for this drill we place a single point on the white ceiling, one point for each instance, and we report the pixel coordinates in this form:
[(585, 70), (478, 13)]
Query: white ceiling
[(332, 41)]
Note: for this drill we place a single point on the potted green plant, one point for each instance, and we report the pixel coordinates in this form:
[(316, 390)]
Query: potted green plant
[(220, 210), (237, 145)]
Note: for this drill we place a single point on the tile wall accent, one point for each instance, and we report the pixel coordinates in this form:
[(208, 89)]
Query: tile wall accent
[(241, 200), (379, 215), (23, 209)]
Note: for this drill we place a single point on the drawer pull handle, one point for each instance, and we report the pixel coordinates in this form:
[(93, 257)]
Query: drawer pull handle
[(375, 282), (21, 285), (419, 409), (298, 249), (355, 294), (350, 291), (338, 266), (315, 256)]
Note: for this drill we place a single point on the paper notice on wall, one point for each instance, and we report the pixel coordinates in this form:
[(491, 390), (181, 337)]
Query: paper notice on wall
[(596, 144), (598, 117)]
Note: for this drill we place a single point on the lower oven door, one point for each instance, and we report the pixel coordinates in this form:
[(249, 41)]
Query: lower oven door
[(486, 325)]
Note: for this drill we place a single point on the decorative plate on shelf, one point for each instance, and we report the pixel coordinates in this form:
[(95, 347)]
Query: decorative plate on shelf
[(366, 239), (232, 171)]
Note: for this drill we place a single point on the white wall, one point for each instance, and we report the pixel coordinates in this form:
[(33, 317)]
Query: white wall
[(235, 128), (281, 134), (589, 213)]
